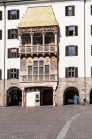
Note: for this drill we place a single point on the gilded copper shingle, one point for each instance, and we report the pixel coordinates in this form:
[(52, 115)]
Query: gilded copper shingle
[(38, 16)]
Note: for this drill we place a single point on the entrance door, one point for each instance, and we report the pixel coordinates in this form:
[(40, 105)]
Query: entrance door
[(13, 97), (47, 97)]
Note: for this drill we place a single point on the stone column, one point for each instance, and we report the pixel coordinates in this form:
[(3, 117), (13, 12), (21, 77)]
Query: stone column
[(55, 38), (22, 98), (31, 39), (43, 38), (54, 101), (19, 40)]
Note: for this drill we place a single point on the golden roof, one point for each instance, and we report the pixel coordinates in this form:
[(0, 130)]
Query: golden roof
[(38, 16)]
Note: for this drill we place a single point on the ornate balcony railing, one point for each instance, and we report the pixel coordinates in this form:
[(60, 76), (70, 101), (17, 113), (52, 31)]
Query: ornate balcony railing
[(37, 48), (38, 78)]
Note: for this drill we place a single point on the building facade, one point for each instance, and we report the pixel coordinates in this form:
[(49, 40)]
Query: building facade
[(46, 52)]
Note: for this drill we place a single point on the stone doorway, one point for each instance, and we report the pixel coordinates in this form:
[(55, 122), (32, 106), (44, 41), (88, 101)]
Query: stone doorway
[(13, 96), (68, 95), (46, 96)]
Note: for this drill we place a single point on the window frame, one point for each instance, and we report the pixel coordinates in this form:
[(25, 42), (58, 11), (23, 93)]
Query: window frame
[(72, 10), (75, 31), (0, 34), (15, 73), (10, 15), (75, 50), (10, 53), (75, 71), (10, 33), (38, 66), (0, 15)]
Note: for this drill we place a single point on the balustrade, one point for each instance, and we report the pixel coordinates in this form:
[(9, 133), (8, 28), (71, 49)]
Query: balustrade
[(38, 48), (38, 78)]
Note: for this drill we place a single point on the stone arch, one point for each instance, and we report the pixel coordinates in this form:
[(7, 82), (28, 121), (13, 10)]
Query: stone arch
[(68, 95), (13, 95), (90, 97)]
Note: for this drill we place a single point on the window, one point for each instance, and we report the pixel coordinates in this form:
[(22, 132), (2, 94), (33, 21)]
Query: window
[(38, 68), (13, 53), (71, 50), (13, 73), (91, 9), (0, 74), (71, 72), (12, 34), (0, 15), (71, 30), (0, 34), (13, 14), (69, 10)]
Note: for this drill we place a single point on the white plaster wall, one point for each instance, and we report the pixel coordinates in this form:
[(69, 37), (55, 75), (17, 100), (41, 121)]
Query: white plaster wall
[(88, 40), (59, 10)]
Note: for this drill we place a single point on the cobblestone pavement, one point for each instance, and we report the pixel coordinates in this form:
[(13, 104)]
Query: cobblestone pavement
[(45, 122)]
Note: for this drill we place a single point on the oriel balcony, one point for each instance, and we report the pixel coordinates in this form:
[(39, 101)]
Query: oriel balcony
[(38, 43)]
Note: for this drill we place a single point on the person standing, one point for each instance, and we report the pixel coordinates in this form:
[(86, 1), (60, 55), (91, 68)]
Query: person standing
[(75, 99)]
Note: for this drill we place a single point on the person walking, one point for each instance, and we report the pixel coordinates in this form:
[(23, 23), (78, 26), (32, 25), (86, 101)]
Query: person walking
[(20, 101), (75, 99)]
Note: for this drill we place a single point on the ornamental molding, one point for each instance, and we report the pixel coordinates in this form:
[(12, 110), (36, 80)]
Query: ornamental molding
[(41, 30)]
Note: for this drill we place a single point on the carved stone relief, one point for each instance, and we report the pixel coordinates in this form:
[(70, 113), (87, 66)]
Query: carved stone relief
[(47, 61)]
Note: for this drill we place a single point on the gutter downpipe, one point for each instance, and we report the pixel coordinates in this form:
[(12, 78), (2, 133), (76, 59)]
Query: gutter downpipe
[(4, 49), (84, 58)]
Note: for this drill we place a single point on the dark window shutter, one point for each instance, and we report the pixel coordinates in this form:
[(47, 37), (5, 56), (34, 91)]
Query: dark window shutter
[(17, 14), (66, 30), (76, 72), (66, 51), (8, 73), (76, 30), (9, 13), (9, 53), (91, 9), (91, 49), (17, 73), (91, 72), (66, 10), (0, 74), (66, 73), (76, 50), (0, 34), (73, 10), (91, 29), (9, 34), (0, 15), (17, 52)]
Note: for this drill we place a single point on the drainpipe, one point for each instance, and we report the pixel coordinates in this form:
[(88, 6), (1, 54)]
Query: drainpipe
[(4, 49), (84, 58)]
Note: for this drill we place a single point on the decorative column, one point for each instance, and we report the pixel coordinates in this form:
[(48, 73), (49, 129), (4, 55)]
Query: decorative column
[(43, 35), (54, 95), (22, 98), (31, 39), (55, 38), (19, 40)]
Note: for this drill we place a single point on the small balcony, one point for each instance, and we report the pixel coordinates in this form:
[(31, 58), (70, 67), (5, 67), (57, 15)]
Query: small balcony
[(37, 49), (38, 78)]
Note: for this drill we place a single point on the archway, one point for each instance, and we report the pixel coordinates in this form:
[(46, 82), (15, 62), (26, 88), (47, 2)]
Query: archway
[(68, 95), (46, 96), (91, 96), (13, 96)]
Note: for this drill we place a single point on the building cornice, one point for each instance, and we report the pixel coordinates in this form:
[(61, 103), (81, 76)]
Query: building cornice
[(16, 2)]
